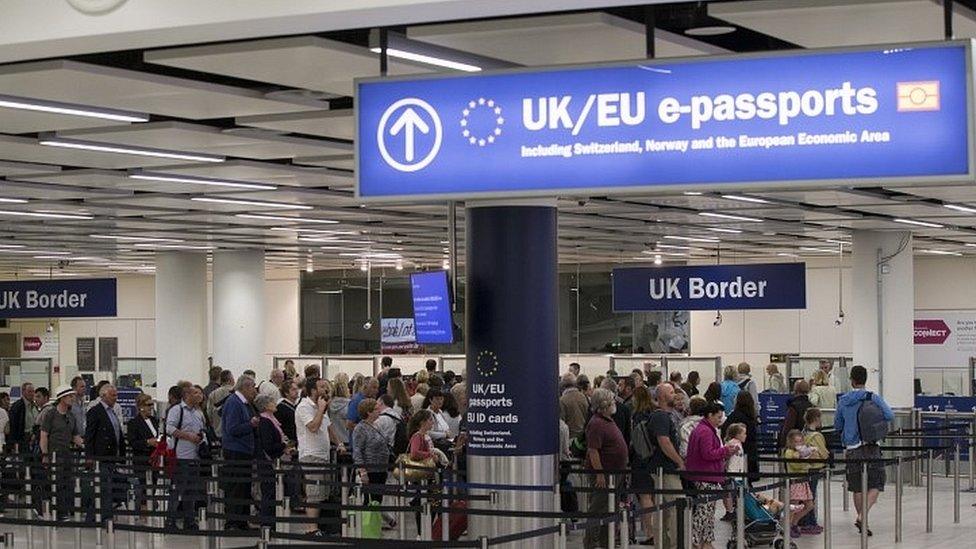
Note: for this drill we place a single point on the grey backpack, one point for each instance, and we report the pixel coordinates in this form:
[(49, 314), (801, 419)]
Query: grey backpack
[(871, 423)]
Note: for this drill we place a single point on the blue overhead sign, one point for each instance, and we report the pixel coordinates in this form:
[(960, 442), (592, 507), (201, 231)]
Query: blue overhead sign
[(432, 308), (880, 114), (58, 298), (710, 287)]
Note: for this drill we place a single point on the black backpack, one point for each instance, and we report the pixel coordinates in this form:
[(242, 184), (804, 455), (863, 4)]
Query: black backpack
[(401, 442), (871, 423)]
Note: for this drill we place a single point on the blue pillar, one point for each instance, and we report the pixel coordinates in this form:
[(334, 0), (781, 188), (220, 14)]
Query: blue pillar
[(512, 358)]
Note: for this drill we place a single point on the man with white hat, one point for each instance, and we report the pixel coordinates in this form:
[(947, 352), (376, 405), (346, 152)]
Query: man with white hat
[(57, 436)]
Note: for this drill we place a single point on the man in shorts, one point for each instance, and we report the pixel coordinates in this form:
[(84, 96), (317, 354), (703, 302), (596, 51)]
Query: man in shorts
[(846, 422), (315, 433)]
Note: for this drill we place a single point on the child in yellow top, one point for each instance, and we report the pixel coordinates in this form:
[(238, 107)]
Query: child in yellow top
[(800, 493)]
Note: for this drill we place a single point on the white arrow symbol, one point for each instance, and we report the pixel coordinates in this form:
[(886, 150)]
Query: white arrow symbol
[(409, 121)]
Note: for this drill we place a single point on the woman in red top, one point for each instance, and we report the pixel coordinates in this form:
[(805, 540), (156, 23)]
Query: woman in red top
[(421, 446), (706, 461)]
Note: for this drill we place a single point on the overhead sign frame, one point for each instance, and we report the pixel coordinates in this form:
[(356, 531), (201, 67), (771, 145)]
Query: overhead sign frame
[(784, 184)]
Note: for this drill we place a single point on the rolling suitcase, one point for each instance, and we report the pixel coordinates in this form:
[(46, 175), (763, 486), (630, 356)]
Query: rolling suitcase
[(457, 522)]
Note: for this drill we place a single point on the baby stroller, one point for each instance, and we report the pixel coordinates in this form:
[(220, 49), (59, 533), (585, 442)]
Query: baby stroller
[(762, 527)]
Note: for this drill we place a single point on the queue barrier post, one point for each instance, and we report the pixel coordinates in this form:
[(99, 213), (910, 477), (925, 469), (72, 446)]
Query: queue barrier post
[(426, 523), (484, 542), (78, 513), (445, 522), (493, 501), (99, 512), (864, 505), (344, 499), (660, 499), (611, 508), (402, 519), (29, 486), (204, 540), (826, 507), (563, 535), (280, 494), (844, 492), (787, 513), (49, 532), (687, 527), (928, 493), (972, 454), (357, 499), (110, 533), (955, 483), (899, 489), (133, 506), (740, 517), (624, 529)]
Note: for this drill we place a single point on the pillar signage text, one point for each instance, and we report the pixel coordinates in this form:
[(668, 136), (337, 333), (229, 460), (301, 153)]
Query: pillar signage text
[(765, 286), (58, 298), (864, 114)]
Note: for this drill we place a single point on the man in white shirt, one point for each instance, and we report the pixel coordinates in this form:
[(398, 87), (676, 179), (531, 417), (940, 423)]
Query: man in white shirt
[(315, 433)]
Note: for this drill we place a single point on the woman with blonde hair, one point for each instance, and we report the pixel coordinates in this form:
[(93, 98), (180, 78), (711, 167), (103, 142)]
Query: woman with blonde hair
[(396, 389), (417, 400), (823, 394), (339, 407)]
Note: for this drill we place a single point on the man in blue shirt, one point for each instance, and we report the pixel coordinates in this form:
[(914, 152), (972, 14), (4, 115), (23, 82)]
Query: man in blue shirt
[(846, 423), (239, 422)]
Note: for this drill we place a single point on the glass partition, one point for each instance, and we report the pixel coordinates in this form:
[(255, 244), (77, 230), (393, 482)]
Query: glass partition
[(456, 363), (349, 365), (944, 381), (803, 367), (15, 371), (709, 368), (135, 372), (301, 361), (625, 364)]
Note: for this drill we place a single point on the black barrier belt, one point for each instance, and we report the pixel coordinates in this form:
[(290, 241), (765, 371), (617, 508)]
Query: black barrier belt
[(251, 534), (364, 543), (547, 531), (271, 520)]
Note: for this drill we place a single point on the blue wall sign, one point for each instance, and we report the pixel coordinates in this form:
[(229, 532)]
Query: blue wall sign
[(772, 411), (432, 308), (710, 287), (877, 114), (940, 424), (58, 298), (127, 401)]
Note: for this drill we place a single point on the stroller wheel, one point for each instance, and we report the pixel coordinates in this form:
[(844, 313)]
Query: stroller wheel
[(778, 544)]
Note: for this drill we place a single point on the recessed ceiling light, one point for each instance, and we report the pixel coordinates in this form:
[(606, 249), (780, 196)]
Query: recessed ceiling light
[(46, 215), (148, 176), (657, 260), (691, 238), (730, 217), (819, 250), (256, 203), (55, 107), (721, 230), (692, 193), (959, 208), (133, 238), (429, 60), (919, 223), (314, 231), (266, 217), (711, 30), (126, 149), (742, 198)]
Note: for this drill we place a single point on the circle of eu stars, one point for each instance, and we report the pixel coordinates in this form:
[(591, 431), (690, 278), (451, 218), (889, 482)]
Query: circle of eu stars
[(487, 363), (494, 111)]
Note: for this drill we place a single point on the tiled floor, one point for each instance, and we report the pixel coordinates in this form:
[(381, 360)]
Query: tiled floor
[(945, 534)]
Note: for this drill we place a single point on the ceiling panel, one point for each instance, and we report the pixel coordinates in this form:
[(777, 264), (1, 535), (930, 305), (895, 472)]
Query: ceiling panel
[(337, 124), (947, 193), (558, 39), (96, 85), (27, 149), (337, 161), (822, 23), (825, 197), (23, 168), (306, 62)]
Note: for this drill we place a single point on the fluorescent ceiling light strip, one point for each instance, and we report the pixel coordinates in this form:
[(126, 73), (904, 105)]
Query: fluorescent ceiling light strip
[(959, 208), (692, 193), (54, 107), (822, 250), (36, 252), (730, 216), (784, 254), (172, 246), (429, 59), (919, 223), (10, 246), (123, 149), (202, 181), (372, 255), (13, 200), (134, 238), (741, 198), (256, 203), (691, 238), (315, 231), (671, 246), (286, 218), (46, 215), (842, 242), (721, 230), (940, 252)]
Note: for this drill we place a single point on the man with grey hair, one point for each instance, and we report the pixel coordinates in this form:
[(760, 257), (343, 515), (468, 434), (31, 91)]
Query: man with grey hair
[(605, 450), (104, 442), (187, 429), (239, 423), (621, 414), (272, 386), (574, 407)]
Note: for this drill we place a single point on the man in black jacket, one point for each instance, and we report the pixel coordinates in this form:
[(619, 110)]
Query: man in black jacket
[(19, 412), (104, 444)]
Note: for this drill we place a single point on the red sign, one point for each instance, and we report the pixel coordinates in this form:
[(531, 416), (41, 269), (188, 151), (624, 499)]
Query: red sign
[(931, 332), (32, 343)]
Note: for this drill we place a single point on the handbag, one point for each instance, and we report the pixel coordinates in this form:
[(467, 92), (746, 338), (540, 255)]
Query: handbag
[(414, 470)]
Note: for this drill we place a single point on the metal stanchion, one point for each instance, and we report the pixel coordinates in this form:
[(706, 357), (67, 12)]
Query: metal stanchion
[(787, 513), (265, 537), (344, 500), (445, 521), (563, 535), (659, 540), (78, 513), (611, 508), (955, 483), (204, 540), (899, 489), (49, 532), (689, 507), (928, 493), (97, 479), (846, 490), (29, 486), (864, 505), (357, 496), (402, 518), (280, 495), (826, 506), (972, 455), (493, 501), (917, 469), (131, 536), (740, 517), (426, 522), (484, 542), (625, 529), (110, 533)]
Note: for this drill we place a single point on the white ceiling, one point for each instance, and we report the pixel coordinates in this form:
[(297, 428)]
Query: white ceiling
[(260, 104)]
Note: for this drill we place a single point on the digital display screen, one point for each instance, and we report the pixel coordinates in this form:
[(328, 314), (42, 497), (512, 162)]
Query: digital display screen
[(432, 308)]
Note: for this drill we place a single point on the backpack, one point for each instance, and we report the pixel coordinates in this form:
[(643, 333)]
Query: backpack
[(872, 426), (744, 383), (641, 442), (401, 442)]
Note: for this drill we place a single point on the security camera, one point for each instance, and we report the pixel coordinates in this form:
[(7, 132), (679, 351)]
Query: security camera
[(50, 327), (368, 325), (840, 319), (718, 319), (581, 203), (63, 263)]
